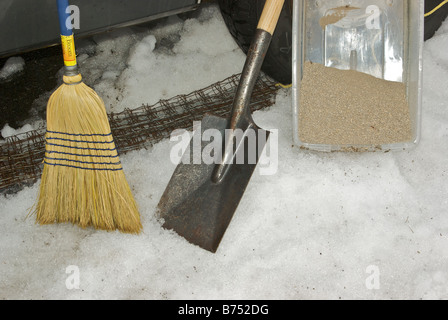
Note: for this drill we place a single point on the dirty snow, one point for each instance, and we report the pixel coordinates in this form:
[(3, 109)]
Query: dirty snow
[(12, 66), (326, 226)]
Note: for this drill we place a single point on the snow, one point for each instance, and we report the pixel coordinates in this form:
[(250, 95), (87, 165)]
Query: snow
[(325, 226), (144, 66), (12, 66), (7, 131)]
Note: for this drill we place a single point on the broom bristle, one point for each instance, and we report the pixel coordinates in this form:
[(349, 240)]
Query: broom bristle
[(83, 180)]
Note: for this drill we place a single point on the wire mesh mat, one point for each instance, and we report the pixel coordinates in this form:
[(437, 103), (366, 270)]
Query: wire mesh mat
[(21, 156)]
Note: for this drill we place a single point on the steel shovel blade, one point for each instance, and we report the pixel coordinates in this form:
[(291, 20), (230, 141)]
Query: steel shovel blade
[(194, 206)]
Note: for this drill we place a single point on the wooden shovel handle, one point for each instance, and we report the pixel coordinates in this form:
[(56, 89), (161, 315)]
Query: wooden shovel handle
[(270, 15)]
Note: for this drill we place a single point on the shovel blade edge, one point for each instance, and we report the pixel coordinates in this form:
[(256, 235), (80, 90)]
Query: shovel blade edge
[(199, 209)]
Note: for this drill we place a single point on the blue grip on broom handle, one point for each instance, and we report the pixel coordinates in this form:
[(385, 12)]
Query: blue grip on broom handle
[(67, 38), (63, 18)]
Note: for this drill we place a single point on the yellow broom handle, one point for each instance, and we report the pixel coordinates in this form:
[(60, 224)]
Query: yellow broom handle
[(67, 39), (271, 13)]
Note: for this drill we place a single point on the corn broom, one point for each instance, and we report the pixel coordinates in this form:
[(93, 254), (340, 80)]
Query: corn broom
[(82, 180)]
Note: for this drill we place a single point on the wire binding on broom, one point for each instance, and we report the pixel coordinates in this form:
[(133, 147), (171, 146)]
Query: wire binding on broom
[(65, 158)]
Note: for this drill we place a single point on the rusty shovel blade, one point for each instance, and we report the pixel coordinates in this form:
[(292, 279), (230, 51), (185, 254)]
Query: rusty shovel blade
[(196, 207)]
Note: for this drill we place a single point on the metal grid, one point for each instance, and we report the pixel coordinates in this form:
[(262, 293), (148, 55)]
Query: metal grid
[(21, 156)]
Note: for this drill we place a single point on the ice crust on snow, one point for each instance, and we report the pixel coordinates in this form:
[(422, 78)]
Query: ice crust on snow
[(326, 226)]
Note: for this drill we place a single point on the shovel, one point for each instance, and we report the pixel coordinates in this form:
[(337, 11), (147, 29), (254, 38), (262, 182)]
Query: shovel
[(202, 196)]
